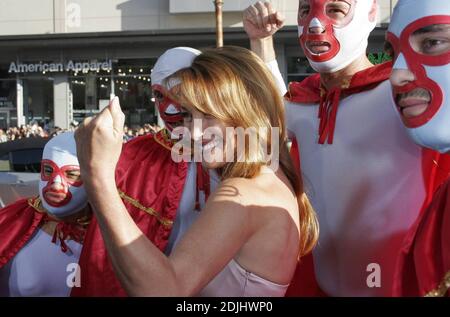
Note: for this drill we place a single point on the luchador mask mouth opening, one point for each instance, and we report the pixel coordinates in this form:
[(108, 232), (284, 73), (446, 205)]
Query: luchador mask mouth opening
[(318, 47), (56, 198), (413, 103)]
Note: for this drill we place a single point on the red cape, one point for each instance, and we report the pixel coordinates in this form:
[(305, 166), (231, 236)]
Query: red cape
[(150, 184), (424, 263), (18, 222), (310, 91)]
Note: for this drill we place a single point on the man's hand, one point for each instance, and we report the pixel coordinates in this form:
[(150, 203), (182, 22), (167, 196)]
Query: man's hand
[(261, 20), (99, 144)]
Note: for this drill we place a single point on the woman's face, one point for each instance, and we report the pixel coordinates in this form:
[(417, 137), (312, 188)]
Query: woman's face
[(211, 146)]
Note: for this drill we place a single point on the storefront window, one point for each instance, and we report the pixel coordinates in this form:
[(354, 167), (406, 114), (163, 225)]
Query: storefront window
[(8, 101), (133, 87), (36, 88), (90, 92), (81, 107), (38, 100), (90, 89), (78, 88), (129, 80), (7, 93)]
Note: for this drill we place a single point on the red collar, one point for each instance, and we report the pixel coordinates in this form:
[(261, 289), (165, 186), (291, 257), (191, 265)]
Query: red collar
[(63, 231), (163, 138), (310, 91)]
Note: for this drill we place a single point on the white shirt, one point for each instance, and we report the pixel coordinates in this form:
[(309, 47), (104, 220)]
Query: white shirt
[(40, 268)]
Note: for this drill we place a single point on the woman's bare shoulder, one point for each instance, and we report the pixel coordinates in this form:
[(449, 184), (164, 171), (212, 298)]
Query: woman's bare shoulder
[(239, 190), (266, 191)]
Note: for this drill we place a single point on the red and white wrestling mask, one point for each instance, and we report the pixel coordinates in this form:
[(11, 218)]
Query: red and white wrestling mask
[(169, 110), (61, 189), (169, 63), (334, 33), (420, 35)]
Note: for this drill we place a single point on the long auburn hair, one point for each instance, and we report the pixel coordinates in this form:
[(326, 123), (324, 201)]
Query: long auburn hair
[(233, 85)]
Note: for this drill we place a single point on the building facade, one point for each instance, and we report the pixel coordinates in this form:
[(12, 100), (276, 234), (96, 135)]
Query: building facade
[(61, 60)]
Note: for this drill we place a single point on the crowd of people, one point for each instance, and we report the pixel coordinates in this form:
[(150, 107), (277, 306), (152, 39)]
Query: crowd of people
[(36, 130), (24, 131), (130, 133)]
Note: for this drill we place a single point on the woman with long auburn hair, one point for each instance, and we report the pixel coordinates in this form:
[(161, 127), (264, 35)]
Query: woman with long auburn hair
[(258, 222)]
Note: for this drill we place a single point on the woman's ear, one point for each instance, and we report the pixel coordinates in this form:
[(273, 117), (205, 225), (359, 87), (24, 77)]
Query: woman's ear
[(373, 11)]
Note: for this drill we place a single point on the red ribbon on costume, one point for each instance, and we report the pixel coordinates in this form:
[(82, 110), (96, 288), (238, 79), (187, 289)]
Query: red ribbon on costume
[(329, 104), (309, 91), (65, 230)]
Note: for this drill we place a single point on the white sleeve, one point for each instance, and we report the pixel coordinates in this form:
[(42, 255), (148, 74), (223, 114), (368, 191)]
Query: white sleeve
[(275, 70)]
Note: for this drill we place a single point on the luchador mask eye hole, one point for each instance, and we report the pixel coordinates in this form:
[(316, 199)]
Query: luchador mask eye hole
[(47, 170), (433, 40), (73, 175), (337, 10), (159, 97), (303, 9)]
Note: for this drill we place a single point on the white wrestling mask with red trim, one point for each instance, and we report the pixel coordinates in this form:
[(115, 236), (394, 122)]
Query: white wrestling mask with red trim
[(344, 38), (169, 63), (61, 189), (431, 72)]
